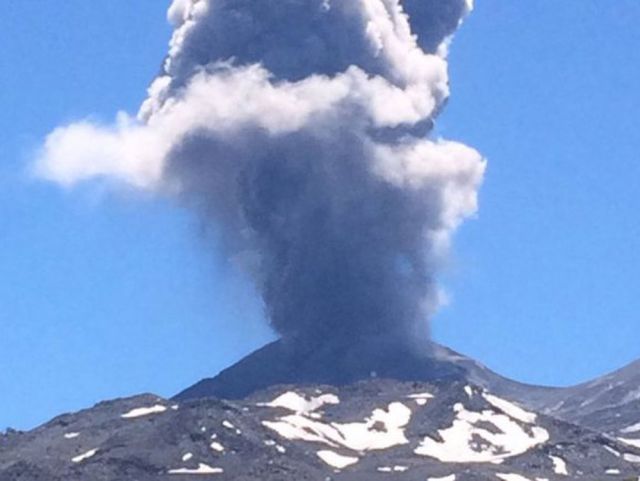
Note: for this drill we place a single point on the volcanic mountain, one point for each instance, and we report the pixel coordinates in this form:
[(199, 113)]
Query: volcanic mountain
[(438, 416), (335, 364)]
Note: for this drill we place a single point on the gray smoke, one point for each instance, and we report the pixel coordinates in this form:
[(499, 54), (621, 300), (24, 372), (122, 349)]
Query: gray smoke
[(300, 129)]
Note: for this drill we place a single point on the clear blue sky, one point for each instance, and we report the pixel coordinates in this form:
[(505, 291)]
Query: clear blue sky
[(105, 295)]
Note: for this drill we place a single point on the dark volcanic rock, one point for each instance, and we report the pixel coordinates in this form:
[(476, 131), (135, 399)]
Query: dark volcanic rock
[(360, 414), (373, 430), (612, 391), (280, 363), (609, 404)]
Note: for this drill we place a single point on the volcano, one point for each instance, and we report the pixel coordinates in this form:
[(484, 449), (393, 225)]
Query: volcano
[(368, 414), (285, 363), (282, 362)]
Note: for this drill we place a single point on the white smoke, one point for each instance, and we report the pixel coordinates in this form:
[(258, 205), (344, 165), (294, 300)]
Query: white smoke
[(328, 101)]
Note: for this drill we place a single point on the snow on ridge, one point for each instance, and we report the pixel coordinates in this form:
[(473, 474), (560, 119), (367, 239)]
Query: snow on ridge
[(336, 460), (71, 435), (421, 395), (559, 465), (631, 442), (421, 399), (227, 424), (392, 469), (510, 409), (631, 458), (466, 440), (144, 411), (451, 477), (216, 446), (201, 469), (631, 429), (293, 401), (511, 477), (612, 451), (84, 456), (382, 430)]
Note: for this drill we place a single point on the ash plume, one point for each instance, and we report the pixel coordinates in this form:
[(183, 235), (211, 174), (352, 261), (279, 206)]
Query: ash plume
[(300, 129)]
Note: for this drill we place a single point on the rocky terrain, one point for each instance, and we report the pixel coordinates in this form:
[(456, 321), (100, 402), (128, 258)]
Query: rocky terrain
[(610, 404), (452, 427)]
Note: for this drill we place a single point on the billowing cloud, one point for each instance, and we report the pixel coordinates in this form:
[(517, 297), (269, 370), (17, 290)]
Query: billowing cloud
[(300, 128)]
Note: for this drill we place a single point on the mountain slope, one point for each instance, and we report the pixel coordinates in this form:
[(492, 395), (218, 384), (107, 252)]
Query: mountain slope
[(278, 363), (373, 430), (282, 363), (366, 413), (611, 391), (609, 404)]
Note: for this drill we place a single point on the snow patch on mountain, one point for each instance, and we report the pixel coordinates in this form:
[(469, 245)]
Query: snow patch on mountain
[(510, 409), (336, 460), (369, 430), (296, 403), (632, 458), (392, 469), (559, 465), (382, 430), (451, 477), (470, 440), (84, 456), (216, 446), (631, 442), (201, 469), (612, 451), (634, 428), (421, 399), (512, 477), (144, 411)]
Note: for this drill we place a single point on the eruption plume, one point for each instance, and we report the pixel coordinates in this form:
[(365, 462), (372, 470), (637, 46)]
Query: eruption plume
[(300, 129)]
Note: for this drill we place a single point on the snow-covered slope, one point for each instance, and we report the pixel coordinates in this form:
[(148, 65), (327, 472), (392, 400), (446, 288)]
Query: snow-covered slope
[(372, 430), (610, 404)]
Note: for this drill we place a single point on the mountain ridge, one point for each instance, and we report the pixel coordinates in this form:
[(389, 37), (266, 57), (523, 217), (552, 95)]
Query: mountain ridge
[(464, 423), (275, 364), (371, 430)]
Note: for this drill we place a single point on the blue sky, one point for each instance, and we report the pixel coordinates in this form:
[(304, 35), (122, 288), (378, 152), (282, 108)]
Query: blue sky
[(107, 294)]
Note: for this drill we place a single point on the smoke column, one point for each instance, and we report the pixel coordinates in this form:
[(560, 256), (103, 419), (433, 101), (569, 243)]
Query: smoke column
[(300, 129)]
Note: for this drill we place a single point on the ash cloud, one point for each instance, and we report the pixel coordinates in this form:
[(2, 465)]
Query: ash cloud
[(300, 129)]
